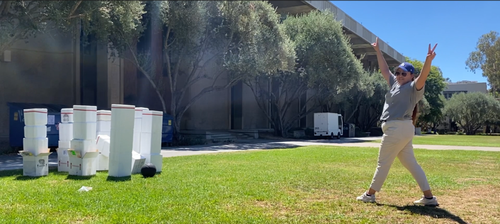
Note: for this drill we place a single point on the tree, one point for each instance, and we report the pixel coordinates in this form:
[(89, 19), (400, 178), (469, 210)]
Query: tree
[(371, 107), (487, 58), (21, 20), (434, 86), (472, 110), (326, 67), (241, 38), (351, 100)]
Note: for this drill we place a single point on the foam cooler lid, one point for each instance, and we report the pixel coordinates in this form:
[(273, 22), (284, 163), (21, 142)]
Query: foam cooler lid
[(122, 106), (104, 112), (84, 108), (35, 110), (156, 113)]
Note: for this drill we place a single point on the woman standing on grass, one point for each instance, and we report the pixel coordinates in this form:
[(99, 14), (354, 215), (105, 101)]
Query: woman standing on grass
[(399, 110)]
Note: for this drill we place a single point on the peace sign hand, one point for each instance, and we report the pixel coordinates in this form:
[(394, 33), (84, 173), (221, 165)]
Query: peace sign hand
[(431, 54), (375, 45)]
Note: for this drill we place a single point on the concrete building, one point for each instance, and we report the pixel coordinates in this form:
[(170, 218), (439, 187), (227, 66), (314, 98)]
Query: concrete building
[(464, 87), (59, 69)]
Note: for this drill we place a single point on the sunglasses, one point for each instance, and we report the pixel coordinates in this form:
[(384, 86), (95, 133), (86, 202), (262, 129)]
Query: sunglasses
[(401, 73)]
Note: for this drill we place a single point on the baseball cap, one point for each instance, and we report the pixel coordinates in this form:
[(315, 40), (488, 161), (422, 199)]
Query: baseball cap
[(407, 67)]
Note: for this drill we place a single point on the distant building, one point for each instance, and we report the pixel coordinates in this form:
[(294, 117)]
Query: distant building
[(464, 87)]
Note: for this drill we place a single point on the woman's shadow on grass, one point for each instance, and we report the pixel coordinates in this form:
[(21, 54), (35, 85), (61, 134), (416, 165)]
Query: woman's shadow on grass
[(432, 211)]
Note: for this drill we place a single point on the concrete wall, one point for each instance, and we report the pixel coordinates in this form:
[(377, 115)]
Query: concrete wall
[(41, 71)]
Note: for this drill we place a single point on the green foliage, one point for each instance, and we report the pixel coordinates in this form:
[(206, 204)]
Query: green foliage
[(324, 52), (115, 22), (434, 87), (325, 64), (472, 110), (487, 58), (243, 39)]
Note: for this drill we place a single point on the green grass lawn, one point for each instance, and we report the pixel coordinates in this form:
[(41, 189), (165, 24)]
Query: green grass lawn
[(457, 140), (299, 185)]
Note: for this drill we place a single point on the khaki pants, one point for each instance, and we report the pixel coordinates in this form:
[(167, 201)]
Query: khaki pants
[(397, 141)]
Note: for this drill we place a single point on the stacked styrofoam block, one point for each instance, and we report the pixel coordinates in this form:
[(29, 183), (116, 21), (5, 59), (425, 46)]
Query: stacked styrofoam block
[(35, 143), (155, 156), (65, 137), (103, 139), (138, 159), (83, 150), (122, 138)]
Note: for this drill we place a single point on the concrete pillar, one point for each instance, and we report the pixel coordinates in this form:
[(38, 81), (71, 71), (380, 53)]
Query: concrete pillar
[(109, 78)]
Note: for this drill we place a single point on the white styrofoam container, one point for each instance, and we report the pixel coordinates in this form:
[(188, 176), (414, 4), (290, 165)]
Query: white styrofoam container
[(85, 165), (103, 115), (84, 130), (36, 145), (137, 162), (147, 120), (39, 131), (157, 121), (108, 133), (122, 134), (83, 113), (65, 131), (35, 116), (102, 162), (83, 146), (35, 165), (145, 143), (62, 160), (103, 126), (157, 160), (102, 144), (64, 144), (67, 115)]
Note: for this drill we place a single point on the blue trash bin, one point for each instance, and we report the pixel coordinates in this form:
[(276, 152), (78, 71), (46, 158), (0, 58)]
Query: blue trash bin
[(167, 129), (16, 122)]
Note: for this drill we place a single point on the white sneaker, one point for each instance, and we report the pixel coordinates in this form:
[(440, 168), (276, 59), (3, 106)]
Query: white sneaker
[(366, 198), (427, 202)]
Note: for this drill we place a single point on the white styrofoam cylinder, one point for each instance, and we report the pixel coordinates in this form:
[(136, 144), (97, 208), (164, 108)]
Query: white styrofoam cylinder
[(64, 144), (62, 160), (137, 128), (39, 131), (156, 134), (35, 116), (103, 126), (36, 145), (157, 121), (157, 160), (83, 146), (84, 113), (145, 143), (67, 115), (65, 131), (103, 115), (84, 130), (102, 144), (147, 120), (122, 137)]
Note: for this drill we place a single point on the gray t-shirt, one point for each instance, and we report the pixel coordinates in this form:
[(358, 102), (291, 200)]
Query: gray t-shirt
[(400, 100)]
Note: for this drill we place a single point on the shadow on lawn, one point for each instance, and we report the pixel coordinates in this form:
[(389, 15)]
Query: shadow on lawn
[(434, 212)]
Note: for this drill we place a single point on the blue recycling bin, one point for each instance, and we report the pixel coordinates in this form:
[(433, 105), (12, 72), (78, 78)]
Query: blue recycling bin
[(16, 122), (167, 130)]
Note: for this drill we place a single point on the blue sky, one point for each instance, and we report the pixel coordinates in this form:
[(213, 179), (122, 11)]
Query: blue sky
[(410, 26)]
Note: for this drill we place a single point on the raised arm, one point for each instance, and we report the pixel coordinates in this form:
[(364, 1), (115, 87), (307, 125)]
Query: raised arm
[(382, 64), (420, 81)]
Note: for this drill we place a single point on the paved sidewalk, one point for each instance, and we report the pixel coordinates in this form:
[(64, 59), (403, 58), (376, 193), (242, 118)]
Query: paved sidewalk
[(12, 162)]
